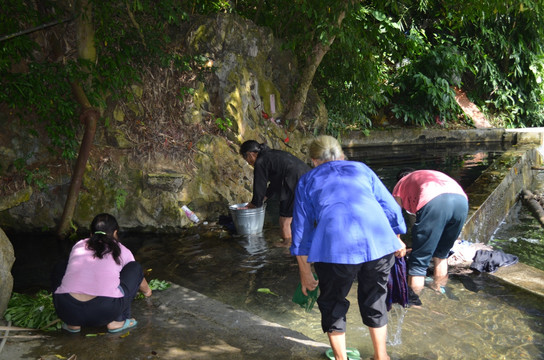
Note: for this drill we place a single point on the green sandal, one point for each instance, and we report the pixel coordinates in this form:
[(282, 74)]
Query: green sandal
[(353, 354)]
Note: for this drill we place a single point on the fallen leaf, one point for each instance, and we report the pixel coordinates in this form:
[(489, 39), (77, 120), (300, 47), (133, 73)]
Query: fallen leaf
[(267, 291)]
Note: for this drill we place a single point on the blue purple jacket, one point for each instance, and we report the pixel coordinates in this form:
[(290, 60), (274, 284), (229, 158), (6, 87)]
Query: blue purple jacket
[(344, 214)]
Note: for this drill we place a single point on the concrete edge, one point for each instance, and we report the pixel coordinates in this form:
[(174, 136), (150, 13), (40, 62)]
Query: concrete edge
[(419, 136), (247, 331), (496, 190), (523, 276), (485, 217)]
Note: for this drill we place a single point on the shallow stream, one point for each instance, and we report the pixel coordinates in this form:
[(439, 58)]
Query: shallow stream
[(477, 318)]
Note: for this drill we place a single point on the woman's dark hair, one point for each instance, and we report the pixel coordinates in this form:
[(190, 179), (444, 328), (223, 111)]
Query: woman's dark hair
[(403, 172), (252, 146), (102, 241)]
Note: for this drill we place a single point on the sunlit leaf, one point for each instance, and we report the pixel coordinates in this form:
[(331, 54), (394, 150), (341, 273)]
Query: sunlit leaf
[(266, 291)]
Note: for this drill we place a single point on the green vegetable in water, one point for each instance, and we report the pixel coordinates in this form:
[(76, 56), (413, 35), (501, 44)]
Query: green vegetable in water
[(155, 284)]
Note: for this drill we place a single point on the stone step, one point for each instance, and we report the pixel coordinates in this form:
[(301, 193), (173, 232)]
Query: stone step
[(523, 276)]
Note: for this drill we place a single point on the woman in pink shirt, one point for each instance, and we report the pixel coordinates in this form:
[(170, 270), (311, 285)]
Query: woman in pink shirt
[(441, 207), (101, 279)]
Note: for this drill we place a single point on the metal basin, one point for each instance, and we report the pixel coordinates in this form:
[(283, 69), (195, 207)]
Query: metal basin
[(247, 221)]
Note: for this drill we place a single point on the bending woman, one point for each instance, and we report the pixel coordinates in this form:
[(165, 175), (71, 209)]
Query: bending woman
[(441, 208), (101, 279), (275, 172), (348, 225)]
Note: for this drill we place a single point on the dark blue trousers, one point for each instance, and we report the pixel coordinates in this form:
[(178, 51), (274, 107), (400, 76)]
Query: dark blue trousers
[(437, 226), (101, 310)]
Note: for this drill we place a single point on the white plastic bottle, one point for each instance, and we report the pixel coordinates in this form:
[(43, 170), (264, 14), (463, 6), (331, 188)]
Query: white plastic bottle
[(190, 214)]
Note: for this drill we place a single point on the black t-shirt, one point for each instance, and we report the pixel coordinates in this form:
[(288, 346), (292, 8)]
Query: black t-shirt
[(279, 168)]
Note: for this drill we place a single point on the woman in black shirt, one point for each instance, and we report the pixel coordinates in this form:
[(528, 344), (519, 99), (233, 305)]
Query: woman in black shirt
[(275, 172)]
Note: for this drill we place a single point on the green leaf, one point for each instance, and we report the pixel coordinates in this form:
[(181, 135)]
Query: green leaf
[(266, 291)]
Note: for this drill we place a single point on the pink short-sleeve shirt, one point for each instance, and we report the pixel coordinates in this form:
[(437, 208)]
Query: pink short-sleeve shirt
[(421, 186), (86, 274)]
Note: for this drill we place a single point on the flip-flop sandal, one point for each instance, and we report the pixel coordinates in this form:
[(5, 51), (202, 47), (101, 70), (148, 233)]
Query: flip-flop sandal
[(129, 324), (73, 331), (353, 354)]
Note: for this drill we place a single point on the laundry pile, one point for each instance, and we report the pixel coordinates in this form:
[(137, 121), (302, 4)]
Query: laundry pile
[(479, 257)]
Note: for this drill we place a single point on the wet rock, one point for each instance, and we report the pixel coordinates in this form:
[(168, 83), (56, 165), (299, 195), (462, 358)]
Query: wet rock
[(7, 258)]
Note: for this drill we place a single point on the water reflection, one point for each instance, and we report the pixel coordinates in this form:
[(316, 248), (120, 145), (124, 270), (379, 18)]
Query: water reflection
[(256, 247), (462, 162), (477, 318)]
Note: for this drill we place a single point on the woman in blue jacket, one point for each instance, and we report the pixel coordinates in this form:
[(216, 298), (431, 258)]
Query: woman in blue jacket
[(348, 225)]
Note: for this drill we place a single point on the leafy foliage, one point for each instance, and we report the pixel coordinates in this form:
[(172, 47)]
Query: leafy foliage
[(37, 79), (506, 56), (425, 85), (401, 59), (35, 312), (155, 285), (393, 59), (359, 87), (32, 84)]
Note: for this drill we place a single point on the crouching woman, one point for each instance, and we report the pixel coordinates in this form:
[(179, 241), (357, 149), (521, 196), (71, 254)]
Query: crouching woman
[(98, 284)]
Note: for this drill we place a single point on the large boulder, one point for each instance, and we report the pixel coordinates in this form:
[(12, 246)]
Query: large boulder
[(7, 258)]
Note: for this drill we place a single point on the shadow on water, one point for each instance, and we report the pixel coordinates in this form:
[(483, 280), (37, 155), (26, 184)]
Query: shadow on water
[(477, 318)]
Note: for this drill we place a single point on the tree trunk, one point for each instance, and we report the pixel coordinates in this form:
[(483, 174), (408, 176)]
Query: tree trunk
[(530, 201), (89, 116), (85, 32), (312, 63)]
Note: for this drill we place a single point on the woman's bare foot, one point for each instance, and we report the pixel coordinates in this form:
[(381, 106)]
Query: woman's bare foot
[(283, 243), (71, 328), (115, 326)]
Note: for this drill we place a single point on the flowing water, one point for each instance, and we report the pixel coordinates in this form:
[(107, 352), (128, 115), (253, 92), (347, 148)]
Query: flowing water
[(521, 233), (477, 317)]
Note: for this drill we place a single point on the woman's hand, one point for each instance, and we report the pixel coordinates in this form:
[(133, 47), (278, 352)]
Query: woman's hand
[(308, 283), (145, 289), (402, 251), (307, 280)]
